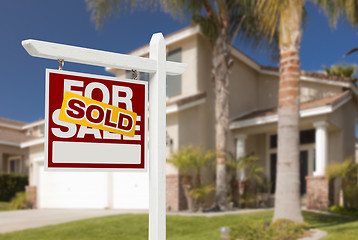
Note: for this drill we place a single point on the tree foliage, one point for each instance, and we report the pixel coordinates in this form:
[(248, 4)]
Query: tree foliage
[(347, 172), (342, 70), (191, 161)]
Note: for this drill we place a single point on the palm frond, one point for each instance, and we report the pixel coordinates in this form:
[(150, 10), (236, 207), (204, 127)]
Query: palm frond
[(335, 9), (101, 9), (208, 27), (182, 8), (350, 52), (342, 70)]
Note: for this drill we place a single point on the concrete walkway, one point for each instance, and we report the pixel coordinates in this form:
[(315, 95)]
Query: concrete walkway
[(11, 221)]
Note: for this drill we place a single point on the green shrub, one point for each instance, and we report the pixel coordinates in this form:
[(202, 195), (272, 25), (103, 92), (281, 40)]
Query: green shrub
[(20, 201), (10, 184), (279, 230), (341, 210), (347, 172)]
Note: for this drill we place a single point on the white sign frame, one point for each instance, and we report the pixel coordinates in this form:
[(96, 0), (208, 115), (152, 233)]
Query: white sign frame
[(159, 67)]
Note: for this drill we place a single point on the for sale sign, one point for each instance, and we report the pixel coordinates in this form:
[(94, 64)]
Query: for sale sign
[(95, 122)]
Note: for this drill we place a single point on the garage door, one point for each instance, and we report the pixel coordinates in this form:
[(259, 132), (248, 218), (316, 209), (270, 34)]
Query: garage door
[(131, 190), (72, 189), (120, 190)]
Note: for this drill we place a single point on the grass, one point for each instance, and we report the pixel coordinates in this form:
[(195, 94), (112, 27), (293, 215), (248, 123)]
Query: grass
[(4, 206), (135, 227)]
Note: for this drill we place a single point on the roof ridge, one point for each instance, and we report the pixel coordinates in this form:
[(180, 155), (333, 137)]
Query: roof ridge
[(311, 74), (12, 121)]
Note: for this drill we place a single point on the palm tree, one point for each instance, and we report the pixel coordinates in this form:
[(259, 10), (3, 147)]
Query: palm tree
[(221, 21), (342, 70), (286, 15), (190, 161)]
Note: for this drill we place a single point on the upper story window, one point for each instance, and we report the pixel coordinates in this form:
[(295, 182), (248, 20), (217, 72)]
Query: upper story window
[(174, 82), (42, 130), (142, 75)]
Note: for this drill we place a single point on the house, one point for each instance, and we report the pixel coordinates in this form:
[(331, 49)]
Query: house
[(15, 139), (327, 125), (328, 114)]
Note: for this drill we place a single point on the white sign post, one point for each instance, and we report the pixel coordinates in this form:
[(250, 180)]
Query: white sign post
[(158, 67)]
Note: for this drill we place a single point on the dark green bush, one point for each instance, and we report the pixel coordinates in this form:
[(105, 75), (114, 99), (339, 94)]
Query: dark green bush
[(279, 230), (341, 210), (10, 184)]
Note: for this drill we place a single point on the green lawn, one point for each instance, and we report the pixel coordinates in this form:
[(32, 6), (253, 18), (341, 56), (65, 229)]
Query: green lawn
[(4, 206), (133, 227)]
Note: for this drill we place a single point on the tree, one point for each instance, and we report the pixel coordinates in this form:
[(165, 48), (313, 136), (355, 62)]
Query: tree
[(286, 15), (347, 172), (342, 70), (190, 161), (221, 21)]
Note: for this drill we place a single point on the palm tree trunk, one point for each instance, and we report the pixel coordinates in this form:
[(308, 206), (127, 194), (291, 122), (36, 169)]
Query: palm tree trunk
[(221, 65), (287, 196)]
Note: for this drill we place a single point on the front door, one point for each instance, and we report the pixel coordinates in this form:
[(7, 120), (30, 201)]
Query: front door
[(303, 171)]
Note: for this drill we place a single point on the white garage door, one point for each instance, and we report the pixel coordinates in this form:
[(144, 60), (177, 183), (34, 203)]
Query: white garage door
[(120, 190), (72, 189), (131, 190)]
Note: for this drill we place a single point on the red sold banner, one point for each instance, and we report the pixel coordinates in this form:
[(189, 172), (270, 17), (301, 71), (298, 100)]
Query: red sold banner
[(95, 122)]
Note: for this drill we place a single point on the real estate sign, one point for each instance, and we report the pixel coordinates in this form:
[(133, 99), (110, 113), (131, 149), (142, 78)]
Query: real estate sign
[(95, 122)]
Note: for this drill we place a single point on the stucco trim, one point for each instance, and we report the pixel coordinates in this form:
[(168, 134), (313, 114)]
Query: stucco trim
[(174, 108), (325, 81), (31, 143), (8, 143), (34, 124), (10, 126), (303, 113)]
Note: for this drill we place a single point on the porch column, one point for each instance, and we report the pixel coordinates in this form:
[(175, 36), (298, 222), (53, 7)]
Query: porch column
[(240, 151), (240, 145), (321, 147)]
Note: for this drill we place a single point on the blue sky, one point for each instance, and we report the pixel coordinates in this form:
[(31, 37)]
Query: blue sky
[(22, 77)]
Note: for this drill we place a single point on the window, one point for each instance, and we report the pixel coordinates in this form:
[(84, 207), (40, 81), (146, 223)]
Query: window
[(273, 141), (142, 75), (306, 137), (41, 129), (174, 82), (273, 163), (14, 165)]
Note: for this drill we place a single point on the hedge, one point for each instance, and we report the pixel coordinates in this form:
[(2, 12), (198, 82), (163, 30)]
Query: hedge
[(11, 183)]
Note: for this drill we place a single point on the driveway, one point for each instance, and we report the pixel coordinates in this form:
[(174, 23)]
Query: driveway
[(11, 221)]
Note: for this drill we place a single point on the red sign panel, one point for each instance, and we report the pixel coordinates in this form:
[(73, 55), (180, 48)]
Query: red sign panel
[(73, 146)]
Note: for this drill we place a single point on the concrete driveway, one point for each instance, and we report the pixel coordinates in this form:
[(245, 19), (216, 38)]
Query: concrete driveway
[(11, 221)]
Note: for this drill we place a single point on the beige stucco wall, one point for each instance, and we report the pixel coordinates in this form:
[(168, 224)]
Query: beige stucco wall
[(243, 89), (267, 91), (172, 133), (312, 91), (7, 151), (256, 145), (343, 139), (350, 115), (189, 55), (36, 156)]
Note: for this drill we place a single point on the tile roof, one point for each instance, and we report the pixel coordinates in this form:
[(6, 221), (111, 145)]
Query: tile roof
[(331, 100), (16, 137), (12, 122), (186, 100)]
